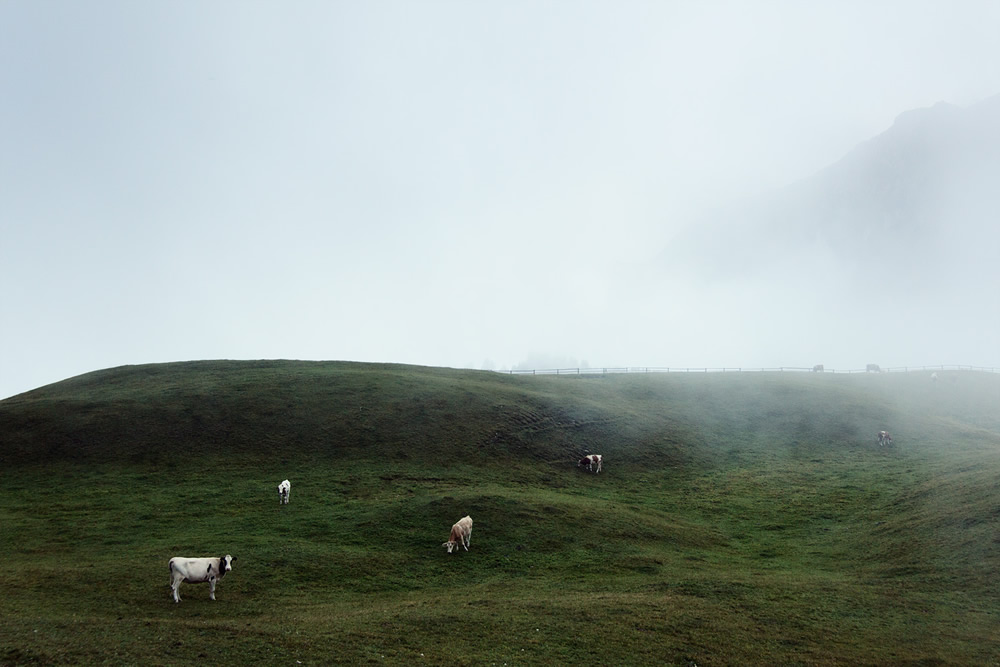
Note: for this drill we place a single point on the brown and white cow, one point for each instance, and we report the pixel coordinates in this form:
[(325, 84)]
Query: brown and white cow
[(592, 462), (884, 438), (461, 534)]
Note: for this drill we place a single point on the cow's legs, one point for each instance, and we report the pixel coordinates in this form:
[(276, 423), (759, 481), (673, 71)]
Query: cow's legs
[(174, 586), (211, 588)]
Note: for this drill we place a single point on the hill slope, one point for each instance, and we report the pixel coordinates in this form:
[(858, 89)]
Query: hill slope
[(740, 518), (265, 408)]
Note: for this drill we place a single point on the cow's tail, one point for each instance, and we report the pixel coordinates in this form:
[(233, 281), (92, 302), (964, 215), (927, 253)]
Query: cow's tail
[(171, 582)]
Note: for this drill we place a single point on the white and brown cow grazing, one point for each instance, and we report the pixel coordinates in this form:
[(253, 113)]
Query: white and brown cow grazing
[(284, 490), (884, 438), (592, 462), (461, 535), (198, 570)]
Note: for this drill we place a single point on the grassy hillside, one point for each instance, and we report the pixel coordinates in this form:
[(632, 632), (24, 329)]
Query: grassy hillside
[(740, 518)]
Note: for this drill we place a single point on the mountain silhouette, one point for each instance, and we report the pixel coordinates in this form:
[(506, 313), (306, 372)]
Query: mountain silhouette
[(907, 209)]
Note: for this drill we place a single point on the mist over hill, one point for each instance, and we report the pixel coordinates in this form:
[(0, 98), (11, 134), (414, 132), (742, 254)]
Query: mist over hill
[(918, 200), (887, 255)]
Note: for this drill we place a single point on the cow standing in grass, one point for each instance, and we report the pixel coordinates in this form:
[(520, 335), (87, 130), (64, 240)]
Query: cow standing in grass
[(461, 534), (284, 490), (592, 462), (198, 570), (884, 438)]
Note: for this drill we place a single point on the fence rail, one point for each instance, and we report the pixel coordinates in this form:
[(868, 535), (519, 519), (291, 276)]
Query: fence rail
[(734, 369)]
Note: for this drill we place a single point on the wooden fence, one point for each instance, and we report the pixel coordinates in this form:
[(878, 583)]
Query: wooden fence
[(733, 369)]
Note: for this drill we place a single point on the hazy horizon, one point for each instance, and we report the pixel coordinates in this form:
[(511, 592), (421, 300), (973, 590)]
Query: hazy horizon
[(455, 185)]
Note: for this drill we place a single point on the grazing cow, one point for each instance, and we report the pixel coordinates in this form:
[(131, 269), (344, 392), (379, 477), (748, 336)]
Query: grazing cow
[(198, 570), (884, 438), (872, 368), (284, 490), (461, 535), (591, 461), (818, 368)]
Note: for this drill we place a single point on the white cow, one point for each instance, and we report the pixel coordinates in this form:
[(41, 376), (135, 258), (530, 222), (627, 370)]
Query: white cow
[(593, 462), (461, 534), (284, 490), (884, 438), (198, 570)]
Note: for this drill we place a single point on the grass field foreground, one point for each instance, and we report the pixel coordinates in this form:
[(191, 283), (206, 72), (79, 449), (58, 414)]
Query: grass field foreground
[(740, 518)]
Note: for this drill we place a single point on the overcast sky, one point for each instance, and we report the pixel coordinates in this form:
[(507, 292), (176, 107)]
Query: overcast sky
[(439, 183)]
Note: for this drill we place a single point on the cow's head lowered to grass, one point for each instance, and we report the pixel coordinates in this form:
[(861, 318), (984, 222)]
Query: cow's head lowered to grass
[(461, 535)]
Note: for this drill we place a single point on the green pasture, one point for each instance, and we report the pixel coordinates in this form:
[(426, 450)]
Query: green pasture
[(739, 519)]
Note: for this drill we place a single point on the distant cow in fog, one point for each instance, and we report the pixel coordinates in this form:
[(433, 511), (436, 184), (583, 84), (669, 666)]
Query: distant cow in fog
[(592, 462), (461, 535), (934, 377), (818, 368), (198, 570), (284, 490), (884, 438), (872, 368)]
